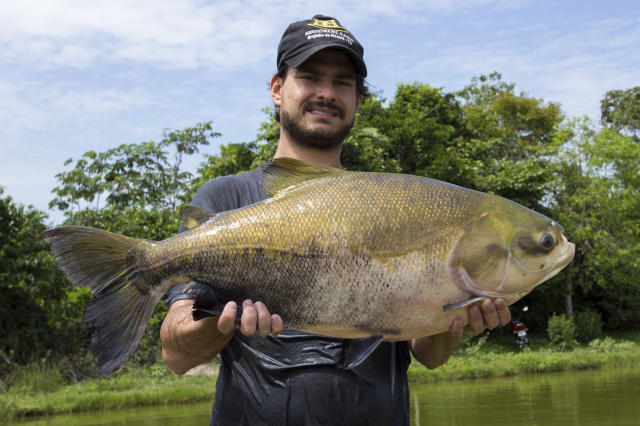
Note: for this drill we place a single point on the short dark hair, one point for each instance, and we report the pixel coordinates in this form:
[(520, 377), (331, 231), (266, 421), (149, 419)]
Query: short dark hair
[(361, 88)]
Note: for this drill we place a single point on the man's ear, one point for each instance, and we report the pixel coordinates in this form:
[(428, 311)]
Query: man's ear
[(275, 87)]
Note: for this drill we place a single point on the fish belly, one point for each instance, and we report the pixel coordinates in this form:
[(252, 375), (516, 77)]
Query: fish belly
[(341, 295)]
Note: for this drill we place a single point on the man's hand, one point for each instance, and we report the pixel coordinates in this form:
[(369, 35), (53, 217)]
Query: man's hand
[(487, 314), (187, 343), (255, 319), (433, 351)]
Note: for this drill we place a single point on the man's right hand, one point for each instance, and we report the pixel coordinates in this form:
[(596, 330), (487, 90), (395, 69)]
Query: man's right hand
[(256, 319), (187, 343)]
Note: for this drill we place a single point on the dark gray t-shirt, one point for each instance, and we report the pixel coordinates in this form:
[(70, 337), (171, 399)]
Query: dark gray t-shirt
[(294, 379)]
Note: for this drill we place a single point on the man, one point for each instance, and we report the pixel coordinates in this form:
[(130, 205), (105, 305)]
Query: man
[(268, 374)]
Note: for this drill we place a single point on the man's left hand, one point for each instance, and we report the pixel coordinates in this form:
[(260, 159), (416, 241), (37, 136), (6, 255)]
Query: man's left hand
[(487, 314), (434, 350)]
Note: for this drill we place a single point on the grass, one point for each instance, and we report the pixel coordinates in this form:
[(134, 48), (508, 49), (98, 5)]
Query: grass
[(41, 390), (155, 385), (479, 359)]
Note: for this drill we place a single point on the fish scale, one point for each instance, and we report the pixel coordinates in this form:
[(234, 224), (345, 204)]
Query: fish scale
[(353, 255)]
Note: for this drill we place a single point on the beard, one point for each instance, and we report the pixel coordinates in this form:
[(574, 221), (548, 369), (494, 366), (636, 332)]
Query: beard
[(320, 139)]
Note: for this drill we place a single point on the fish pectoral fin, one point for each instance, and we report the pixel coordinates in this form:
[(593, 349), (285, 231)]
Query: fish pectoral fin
[(463, 304), (357, 350), (192, 217)]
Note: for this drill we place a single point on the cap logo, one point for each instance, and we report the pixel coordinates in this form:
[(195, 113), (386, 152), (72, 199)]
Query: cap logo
[(329, 24)]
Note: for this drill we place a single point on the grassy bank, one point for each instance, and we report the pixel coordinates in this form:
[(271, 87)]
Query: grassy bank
[(483, 360), (155, 385), (41, 391)]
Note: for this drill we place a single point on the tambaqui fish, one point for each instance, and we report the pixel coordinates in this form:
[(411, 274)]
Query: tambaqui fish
[(353, 255)]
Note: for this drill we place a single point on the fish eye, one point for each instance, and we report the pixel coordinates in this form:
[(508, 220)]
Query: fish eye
[(547, 241)]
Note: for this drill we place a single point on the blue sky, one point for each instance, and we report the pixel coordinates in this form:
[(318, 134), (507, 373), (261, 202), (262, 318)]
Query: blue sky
[(90, 75)]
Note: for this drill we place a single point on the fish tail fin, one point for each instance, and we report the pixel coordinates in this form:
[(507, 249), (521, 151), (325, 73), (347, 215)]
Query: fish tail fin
[(122, 302)]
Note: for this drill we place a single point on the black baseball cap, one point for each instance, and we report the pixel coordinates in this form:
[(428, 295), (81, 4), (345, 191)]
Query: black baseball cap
[(302, 39)]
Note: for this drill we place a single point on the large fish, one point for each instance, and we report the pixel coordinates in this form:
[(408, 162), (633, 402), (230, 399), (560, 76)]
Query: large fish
[(369, 256)]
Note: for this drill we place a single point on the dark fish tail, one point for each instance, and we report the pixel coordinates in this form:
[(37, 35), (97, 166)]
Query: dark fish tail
[(122, 302)]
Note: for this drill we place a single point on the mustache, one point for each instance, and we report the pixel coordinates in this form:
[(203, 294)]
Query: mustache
[(325, 104)]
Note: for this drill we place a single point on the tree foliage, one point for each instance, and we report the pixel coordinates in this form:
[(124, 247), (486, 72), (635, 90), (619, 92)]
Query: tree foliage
[(40, 315), (620, 111), (510, 141), (597, 196), (133, 189)]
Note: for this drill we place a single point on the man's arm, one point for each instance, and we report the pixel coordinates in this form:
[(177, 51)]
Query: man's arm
[(433, 351), (187, 343)]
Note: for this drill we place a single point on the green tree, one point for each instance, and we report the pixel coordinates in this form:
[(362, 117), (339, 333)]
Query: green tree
[(416, 129), (509, 141), (597, 197), (40, 315), (132, 189), (620, 111), (240, 157)]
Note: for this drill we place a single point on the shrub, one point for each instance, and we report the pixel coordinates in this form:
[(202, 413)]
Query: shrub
[(562, 332), (588, 325)]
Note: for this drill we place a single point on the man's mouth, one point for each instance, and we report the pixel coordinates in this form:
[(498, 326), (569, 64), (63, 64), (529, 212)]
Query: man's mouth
[(324, 110)]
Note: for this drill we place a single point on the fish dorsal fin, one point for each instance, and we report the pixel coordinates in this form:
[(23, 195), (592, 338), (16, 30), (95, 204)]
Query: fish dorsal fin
[(283, 173), (192, 217)]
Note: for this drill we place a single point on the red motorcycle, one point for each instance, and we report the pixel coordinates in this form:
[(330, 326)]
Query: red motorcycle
[(520, 331)]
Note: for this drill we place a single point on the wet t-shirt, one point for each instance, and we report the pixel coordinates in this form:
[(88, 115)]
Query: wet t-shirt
[(295, 378)]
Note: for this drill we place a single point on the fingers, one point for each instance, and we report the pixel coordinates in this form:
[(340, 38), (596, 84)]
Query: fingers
[(476, 321), (488, 314), (227, 321), (504, 314), (276, 324), (456, 328), (256, 319)]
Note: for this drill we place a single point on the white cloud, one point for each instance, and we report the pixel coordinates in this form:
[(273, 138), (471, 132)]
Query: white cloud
[(189, 33)]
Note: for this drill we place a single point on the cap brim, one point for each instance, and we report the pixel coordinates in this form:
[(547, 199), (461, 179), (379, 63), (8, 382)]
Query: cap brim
[(301, 57)]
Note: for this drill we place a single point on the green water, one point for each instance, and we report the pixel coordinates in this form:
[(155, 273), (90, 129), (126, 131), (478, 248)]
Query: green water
[(587, 398)]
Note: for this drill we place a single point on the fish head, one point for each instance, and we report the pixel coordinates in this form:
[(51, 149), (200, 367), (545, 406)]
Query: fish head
[(507, 250)]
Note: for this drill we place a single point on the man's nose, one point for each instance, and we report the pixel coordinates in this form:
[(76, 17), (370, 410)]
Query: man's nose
[(325, 90)]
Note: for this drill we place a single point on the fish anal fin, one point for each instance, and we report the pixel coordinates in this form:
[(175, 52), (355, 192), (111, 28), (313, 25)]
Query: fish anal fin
[(358, 350)]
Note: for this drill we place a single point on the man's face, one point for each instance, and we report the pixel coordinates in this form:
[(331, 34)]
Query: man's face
[(318, 100)]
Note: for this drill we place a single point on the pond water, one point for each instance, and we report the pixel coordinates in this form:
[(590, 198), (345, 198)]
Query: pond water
[(585, 398)]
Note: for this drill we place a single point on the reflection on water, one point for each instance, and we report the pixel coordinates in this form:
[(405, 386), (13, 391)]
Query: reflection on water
[(587, 398), (608, 397)]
